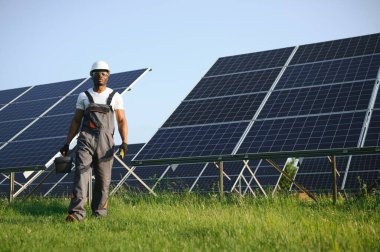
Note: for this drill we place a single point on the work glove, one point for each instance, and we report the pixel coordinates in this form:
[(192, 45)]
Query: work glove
[(123, 149), (64, 150)]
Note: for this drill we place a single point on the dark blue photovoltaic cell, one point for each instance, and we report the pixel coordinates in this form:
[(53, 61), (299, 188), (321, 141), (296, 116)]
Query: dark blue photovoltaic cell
[(268, 181), (321, 99), (29, 153), (266, 169), (346, 70), (373, 133), (321, 182), (47, 91), (304, 133), (365, 163), (227, 109), (233, 84), (357, 180), (8, 95), (66, 106), (336, 49), (54, 126), (9, 129), (193, 141), (25, 110), (321, 165), (153, 172), (185, 171), (251, 61)]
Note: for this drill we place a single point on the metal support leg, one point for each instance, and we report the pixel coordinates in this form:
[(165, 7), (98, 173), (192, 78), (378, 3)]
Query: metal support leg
[(221, 187), (332, 160), (292, 180), (12, 186), (39, 184), (134, 175)]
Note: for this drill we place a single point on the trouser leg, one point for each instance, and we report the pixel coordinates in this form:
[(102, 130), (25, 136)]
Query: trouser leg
[(102, 172), (81, 179), (101, 189)]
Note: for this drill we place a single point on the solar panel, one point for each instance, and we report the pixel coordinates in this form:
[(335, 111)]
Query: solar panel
[(9, 129), (7, 96), (48, 91), (209, 179), (47, 127), (194, 141), (304, 133), (364, 171), (351, 96), (373, 133), (336, 71), (26, 110), (250, 61), (181, 178), (41, 141), (316, 97), (216, 110), (234, 84), (342, 48), (315, 173)]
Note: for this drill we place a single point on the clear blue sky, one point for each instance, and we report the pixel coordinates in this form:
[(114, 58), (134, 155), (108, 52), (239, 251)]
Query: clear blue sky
[(46, 41)]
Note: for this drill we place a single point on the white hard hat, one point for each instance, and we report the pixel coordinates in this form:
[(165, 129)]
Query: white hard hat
[(100, 65)]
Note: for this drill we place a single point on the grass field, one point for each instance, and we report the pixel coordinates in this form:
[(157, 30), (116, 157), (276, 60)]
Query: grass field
[(195, 223)]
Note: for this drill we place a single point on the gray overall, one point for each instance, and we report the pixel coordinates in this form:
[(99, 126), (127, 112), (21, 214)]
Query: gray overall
[(95, 149)]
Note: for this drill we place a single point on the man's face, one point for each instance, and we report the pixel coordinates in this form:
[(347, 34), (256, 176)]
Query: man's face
[(100, 77)]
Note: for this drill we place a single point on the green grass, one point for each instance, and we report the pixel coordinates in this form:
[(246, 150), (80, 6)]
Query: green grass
[(195, 223)]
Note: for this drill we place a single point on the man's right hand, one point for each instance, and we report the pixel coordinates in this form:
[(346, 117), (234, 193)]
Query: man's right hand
[(64, 150)]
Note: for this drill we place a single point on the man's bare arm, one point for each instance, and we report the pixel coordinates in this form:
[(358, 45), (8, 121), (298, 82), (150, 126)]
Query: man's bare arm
[(75, 124), (122, 124)]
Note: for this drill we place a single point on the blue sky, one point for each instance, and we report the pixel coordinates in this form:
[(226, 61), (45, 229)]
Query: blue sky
[(46, 41)]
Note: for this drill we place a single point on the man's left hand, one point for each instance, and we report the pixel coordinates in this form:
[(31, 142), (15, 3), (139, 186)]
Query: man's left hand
[(123, 149)]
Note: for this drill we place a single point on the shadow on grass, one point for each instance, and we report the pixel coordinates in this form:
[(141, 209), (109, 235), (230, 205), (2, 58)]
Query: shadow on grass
[(40, 207)]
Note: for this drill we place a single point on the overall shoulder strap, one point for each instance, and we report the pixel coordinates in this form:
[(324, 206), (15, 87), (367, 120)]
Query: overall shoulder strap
[(109, 100), (89, 97)]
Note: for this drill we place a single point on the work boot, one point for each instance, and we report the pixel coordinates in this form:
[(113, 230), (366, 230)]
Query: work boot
[(72, 218)]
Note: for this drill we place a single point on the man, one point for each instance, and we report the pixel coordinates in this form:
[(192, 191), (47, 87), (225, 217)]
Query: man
[(96, 107)]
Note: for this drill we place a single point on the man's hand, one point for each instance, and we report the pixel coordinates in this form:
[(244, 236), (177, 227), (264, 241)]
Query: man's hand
[(123, 149), (64, 150)]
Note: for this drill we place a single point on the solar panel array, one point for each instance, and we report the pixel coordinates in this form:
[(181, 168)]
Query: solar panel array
[(34, 122), (310, 97), (35, 125)]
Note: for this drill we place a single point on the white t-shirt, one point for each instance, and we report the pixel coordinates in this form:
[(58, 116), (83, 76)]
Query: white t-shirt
[(100, 98)]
